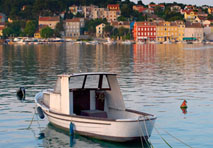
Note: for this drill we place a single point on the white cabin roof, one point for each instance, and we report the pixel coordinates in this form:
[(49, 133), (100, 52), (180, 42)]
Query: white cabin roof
[(88, 73)]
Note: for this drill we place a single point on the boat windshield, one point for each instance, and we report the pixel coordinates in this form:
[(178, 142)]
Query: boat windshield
[(89, 82)]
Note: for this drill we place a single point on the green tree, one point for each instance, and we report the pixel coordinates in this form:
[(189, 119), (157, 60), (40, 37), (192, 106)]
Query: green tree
[(13, 29), (58, 29), (47, 32), (210, 17), (140, 2), (7, 32), (30, 28), (159, 11), (108, 30), (122, 18), (90, 25)]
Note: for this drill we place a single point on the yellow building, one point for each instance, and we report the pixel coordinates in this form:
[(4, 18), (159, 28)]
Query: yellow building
[(100, 30), (210, 10), (167, 31), (190, 15), (37, 35), (181, 30), (1, 31)]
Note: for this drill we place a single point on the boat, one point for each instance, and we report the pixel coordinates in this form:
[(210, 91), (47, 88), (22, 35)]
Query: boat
[(91, 104), (167, 42), (127, 42), (109, 42), (140, 42)]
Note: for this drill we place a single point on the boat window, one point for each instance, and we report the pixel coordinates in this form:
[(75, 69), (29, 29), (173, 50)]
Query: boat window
[(92, 81), (76, 82), (105, 84)]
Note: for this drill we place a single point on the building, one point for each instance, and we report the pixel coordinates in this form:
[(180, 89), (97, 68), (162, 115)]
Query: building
[(146, 10), (98, 13), (155, 5), (137, 7), (200, 19), (37, 33), (190, 7), (119, 24), (49, 21), (74, 27), (190, 15), (144, 31), (2, 17), (87, 11), (100, 30), (113, 7), (193, 31), (75, 9), (169, 31), (111, 15), (210, 10), (181, 30), (175, 8), (2, 26)]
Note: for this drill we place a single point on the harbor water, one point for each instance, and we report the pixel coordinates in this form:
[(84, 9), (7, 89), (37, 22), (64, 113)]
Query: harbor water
[(154, 78)]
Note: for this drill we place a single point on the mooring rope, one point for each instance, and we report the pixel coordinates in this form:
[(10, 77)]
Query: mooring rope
[(175, 138), (140, 132), (146, 140), (147, 131), (32, 118), (169, 135)]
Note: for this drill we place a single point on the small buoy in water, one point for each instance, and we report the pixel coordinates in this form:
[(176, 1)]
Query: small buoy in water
[(21, 93), (184, 105), (40, 112), (41, 136)]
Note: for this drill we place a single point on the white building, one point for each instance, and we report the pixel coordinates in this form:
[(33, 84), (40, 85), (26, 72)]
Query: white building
[(73, 27)]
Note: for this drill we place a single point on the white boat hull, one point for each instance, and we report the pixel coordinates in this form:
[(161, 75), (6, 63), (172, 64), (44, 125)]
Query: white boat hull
[(105, 129)]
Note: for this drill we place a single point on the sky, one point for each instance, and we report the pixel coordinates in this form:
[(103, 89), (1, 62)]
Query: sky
[(196, 2)]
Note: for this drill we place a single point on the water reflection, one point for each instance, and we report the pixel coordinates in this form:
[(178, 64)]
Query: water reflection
[(54, 137), (154, 78)]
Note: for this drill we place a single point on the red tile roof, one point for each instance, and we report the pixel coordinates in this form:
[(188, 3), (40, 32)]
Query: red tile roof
[(1, 28), (49, 18), (189, 11)]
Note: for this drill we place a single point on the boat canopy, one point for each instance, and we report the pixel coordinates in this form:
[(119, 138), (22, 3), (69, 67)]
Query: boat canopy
[(69, 86)]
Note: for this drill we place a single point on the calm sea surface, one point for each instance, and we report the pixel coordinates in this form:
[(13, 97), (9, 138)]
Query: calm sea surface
[(153, 78)]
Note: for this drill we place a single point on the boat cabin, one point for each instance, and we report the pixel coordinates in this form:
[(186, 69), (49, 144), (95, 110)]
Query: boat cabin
[(86, 94)]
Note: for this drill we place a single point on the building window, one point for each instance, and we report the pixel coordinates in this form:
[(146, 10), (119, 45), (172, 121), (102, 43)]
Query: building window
[(139, 29), (145, 33), (142, 29), (148, 29), (151, 29), (145, 29)]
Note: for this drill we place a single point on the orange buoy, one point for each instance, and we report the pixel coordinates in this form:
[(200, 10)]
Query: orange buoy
[(184, 105)]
